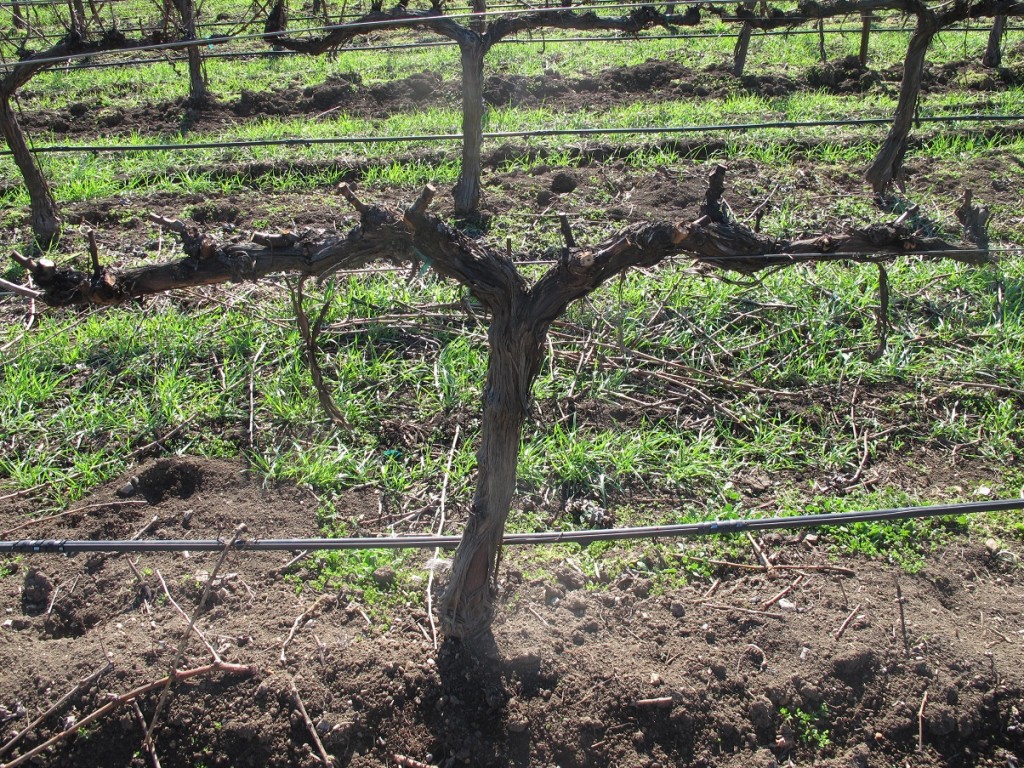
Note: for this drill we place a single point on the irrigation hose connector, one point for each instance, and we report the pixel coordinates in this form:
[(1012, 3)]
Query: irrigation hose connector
[(426, 541)]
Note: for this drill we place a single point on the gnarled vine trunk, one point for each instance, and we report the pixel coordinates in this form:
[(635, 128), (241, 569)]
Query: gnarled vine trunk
[(887, 167), (198, 93), (993, 57), (516, 351), (44, 215), (467, 189)]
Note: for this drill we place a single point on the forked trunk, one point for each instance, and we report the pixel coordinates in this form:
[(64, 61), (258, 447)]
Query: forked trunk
[(45, 218), (198, 94), (887, 166), (516, 351), (993, 57), (467, 190)]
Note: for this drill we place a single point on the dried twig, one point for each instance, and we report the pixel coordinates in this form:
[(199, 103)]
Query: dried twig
[(713, 588), (302, 618), (759, 551), (779, 595), (120, 701), (148, 746), (839, 632), (882, 316), (57, 706), (310, 334), (67, 512), (903, 618), (721, 607), (252, 393), (199, 634), (537, 616), (785, 567), (920, 721), (324, 757), (661, 701), (183, 642), (21, 290), (408, 762)]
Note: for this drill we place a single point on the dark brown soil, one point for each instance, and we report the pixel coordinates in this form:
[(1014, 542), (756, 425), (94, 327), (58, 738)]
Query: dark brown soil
[(579, 672)]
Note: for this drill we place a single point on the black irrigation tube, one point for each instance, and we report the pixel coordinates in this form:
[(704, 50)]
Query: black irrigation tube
[(685, 530), (544, 132)]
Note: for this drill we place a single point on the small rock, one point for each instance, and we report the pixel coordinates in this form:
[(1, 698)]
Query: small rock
[(656, 679), (677, 609), (786, 605), (518, 724), (130, 488), (993, 546)]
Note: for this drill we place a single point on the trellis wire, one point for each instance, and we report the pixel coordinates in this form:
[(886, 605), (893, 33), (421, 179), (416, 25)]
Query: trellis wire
[(512, 41), (538, 133), (369, 26), (540, 40), (426, 541)]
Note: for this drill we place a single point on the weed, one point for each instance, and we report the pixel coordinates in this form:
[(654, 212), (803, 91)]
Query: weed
[(806, 725)]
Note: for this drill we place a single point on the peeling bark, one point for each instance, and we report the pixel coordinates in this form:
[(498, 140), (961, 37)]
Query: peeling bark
[(993, 57), (198, 92), (516, 349), (44, 216), (467, 189), (887, 166)]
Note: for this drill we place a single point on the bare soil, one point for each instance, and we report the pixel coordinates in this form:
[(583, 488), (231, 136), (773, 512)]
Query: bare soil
[(578, 672)]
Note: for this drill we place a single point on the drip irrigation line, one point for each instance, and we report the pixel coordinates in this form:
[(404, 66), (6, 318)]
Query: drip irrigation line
[(539, 133), (428, 541)]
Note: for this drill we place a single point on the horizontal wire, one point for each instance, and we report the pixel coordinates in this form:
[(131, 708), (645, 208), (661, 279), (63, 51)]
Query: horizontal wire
[(426, 541), (885, 27), (424, 44), (367, 25), (538, 133), (384, 24)]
